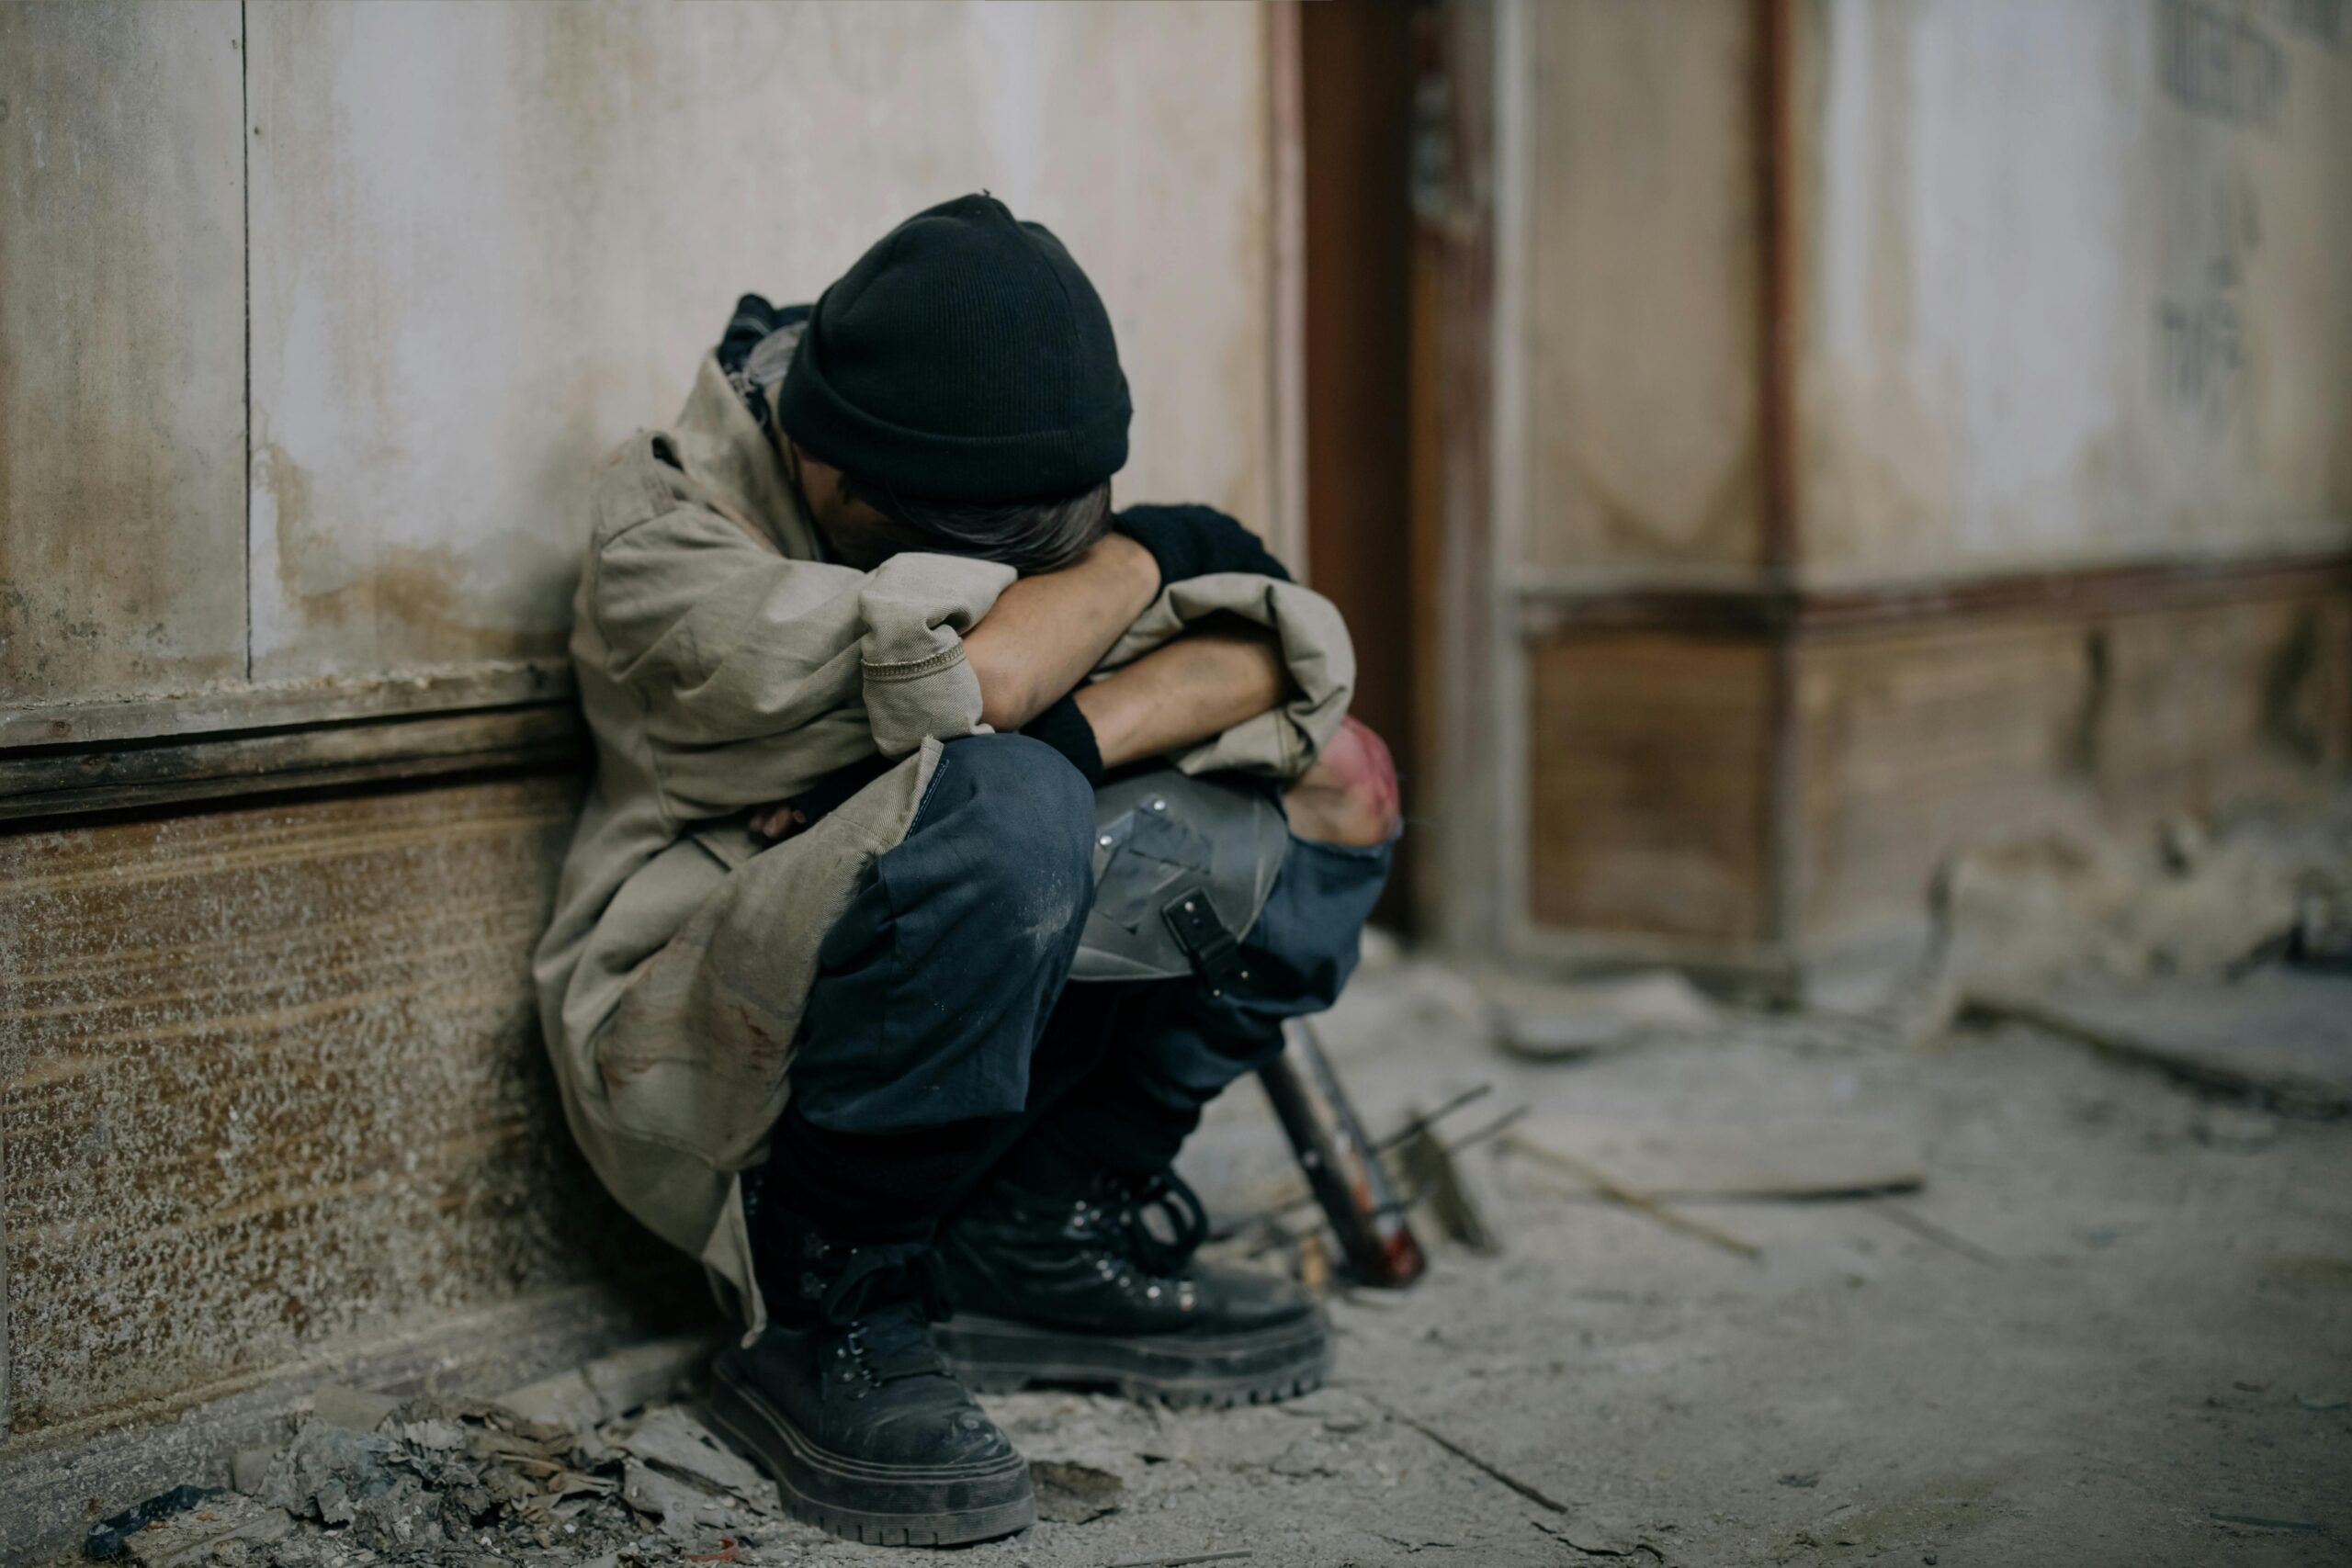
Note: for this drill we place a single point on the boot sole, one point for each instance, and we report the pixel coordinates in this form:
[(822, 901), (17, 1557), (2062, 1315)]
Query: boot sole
[(860, 1501), (995, 1355)]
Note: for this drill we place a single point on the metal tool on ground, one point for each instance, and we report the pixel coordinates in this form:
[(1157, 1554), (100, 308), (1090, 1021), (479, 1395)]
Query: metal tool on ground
[(1271, 1217), (1342, 1166)]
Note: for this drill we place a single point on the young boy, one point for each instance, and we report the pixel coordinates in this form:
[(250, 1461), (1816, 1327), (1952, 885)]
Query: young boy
[(859, 638)]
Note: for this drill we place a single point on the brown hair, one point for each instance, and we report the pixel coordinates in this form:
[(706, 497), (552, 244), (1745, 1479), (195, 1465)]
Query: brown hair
[(1028, 535)]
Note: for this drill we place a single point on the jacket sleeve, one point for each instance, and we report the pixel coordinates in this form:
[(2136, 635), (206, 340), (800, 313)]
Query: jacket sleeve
[(727, 641), (1314, 646)]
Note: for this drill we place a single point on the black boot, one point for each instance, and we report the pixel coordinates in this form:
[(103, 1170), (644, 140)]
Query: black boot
[(1080, 1291), (845, 1400)]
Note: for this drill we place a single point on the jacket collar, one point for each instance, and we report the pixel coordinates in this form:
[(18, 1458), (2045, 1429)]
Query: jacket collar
[(725, 452)]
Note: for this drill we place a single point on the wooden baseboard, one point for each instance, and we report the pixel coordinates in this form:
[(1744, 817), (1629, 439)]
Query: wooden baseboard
[(51, 783), (273, 1086), (244, 709), (1763, 608), (69, 759), (1769, 772)]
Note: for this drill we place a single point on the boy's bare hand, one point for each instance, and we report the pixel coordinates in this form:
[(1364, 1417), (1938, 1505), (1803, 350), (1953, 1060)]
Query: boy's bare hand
[(778, 822), (1348, 796)]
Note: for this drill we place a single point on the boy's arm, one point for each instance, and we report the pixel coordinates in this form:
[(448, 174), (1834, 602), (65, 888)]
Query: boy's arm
[(1045, 633), (749, 665), (1048, 633), (1198, 686)]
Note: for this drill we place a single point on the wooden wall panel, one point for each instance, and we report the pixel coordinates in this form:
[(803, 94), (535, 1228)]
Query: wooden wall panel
[(271, 1084), (1914, 740), (1647, 813), (1356, 100), (2205, 702), (491, 241), (122, 424)]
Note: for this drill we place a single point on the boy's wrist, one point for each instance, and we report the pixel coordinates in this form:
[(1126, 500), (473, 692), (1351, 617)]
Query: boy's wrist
[(1065, 728), (1196, 541)]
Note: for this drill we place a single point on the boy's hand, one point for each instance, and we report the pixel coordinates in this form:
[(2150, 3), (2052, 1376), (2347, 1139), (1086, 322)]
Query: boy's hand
[(777, 822), (1196, 541), (786, 818), (1349, 795)]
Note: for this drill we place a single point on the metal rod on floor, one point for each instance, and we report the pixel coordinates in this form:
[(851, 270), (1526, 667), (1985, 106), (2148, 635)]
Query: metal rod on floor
[(1618, 1192), (1342, 1166)]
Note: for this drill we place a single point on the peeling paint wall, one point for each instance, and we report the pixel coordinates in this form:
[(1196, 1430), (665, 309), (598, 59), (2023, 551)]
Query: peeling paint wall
[(487, 242), (1872, 380), (271, 1087), (2075, 282), (2069, 286), (122, 350), (1642, 284)]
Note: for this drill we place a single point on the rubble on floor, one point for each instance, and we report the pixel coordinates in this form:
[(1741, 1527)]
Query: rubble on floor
[(2212, 951), (367, 1478), (1742, 1287), (2191, 901), (1539, 1023)]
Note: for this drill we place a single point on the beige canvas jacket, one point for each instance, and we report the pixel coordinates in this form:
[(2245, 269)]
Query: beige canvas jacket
[(723, 665)]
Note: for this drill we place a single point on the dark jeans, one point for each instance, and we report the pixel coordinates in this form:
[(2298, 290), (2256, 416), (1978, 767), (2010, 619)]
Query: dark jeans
[(940, 1037)]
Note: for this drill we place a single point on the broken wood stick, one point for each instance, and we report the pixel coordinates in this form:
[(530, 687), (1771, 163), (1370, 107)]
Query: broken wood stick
[(1422, 1121), (1617, 1192), (1928, 1229), (1272, 1213), (1430, 1172)]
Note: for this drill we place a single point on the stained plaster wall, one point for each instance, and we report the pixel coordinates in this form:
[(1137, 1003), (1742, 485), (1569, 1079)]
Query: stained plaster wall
[(122, 349), (270, 1082), (2063, 286), (484, 243), (1640, 316), (2069, 286), (2073, 283)]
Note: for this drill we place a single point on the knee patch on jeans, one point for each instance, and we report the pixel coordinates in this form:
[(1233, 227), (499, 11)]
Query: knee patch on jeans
[(936, 980), (1021, 803)]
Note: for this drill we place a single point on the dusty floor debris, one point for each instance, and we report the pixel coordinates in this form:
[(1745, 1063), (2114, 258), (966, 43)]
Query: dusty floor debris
[(2038, 915), (2277, 1037), (2010, 1302)]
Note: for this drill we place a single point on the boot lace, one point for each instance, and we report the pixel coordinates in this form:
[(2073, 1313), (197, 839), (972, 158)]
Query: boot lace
[(883, 1301), (1168, 1195)]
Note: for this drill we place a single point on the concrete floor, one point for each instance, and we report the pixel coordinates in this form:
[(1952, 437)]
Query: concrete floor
[(2113, 1327), (2135, 1347)]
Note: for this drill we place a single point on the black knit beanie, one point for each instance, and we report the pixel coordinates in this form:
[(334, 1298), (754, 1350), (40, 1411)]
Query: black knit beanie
[(964, 359)]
